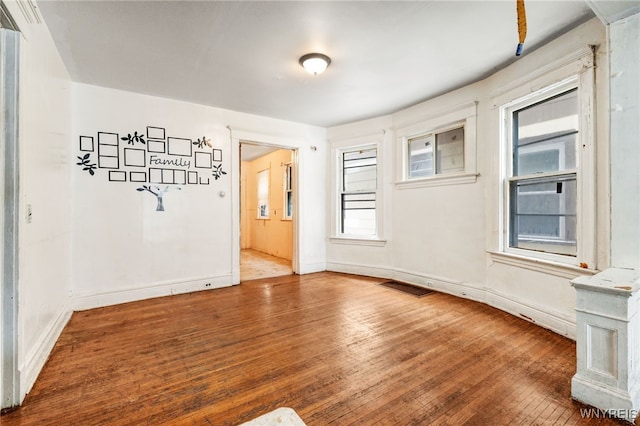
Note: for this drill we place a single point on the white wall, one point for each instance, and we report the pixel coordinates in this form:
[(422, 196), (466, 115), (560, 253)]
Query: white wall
[(441, 236), (124, 250), (44, 255), (625, 150)]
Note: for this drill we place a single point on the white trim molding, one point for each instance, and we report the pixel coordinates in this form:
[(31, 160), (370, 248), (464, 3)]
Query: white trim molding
[(37, 357), (167, 288), (543, 316)]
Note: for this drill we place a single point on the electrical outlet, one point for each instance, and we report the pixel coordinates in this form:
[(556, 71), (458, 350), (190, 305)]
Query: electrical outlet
[(429, 284), (207, 285)]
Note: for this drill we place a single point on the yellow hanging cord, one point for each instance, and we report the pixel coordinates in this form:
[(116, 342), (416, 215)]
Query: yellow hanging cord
[(522, 26)]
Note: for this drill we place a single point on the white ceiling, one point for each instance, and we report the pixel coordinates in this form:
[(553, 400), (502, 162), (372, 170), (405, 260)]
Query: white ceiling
[(243, 55)]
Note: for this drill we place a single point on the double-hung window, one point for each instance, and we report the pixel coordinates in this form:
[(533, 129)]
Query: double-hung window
[(548, 198), (542, 186), (288, 191), (358, 192)]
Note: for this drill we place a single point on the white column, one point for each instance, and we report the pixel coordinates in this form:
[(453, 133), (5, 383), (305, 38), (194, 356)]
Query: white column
[(608, 342)]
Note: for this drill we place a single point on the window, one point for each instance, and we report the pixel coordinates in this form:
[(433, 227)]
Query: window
[(542, 186), (436, 153), (358, 194), (288, 191), (263, 194), (439, 149)]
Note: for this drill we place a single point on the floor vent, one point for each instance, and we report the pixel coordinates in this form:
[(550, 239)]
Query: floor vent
[(407, 288)]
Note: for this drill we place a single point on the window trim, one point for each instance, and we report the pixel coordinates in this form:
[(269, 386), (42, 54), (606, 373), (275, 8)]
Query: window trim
[(287, 179), (583, 81), (337, 149), (464, 116), (258, 215)]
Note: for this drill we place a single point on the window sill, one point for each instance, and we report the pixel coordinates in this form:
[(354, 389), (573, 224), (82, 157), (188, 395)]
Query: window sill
[(558, 269), (454, 179), (358, 241)]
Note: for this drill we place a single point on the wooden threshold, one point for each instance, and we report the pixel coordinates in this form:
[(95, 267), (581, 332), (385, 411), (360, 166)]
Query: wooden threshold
[(338, 349)]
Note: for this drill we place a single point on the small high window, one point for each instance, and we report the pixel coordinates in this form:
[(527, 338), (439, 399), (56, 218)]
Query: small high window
[(436, 153)]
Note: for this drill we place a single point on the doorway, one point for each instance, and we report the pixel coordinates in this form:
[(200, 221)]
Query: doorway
[(267, 211)]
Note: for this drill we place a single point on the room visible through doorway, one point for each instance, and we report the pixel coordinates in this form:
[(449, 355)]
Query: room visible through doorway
[(266, 211)]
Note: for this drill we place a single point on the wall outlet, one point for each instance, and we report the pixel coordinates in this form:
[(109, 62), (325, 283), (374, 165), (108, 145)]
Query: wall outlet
[(429, 284), (207, 285)]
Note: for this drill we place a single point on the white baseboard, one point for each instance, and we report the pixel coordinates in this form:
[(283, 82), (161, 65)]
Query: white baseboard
[(37, 357), (310, 268), (540, 315), (97, 300)]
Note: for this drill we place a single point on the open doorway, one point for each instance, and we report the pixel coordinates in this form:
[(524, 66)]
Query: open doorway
[(266, 211)]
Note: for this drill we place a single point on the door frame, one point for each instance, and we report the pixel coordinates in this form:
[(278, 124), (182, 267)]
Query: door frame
[(260, 139), (10, 393)]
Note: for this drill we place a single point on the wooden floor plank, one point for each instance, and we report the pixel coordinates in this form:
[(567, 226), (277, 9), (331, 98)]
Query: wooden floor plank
[(338, 349)]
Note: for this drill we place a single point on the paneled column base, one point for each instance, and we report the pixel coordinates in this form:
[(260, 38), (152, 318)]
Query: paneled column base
[(608, 342)]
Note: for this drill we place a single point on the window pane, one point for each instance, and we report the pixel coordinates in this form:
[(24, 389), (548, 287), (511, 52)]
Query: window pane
[(450, 151), (546, 135), (421, 156), (263, 194), (359, 170), (543, 214), (359, 214)]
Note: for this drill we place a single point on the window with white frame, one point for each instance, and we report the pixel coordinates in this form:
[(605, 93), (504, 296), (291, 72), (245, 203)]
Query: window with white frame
[(548, 167), (436, 153), (439, 149), (263, 194), (288, 191), (358, 192)]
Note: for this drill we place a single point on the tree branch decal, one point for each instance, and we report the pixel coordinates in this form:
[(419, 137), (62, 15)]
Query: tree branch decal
[(131, 139), (218, 172), (85, 162), (158, 192), (201, 143)]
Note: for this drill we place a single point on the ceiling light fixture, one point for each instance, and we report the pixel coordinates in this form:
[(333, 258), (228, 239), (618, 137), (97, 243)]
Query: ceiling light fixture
[(315, 63)]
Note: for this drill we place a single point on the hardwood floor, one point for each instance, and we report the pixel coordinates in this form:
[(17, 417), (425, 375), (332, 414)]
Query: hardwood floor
[(256, 265), (338, 349)]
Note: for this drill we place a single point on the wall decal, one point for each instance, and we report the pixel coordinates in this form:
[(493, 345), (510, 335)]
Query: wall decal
[(170, 176), (137, 176), (155, 132), (131, 139), (117, 176), (159, 193), (166, 161), (192, 178), (202, 160), (135, 157), (84, 161), (201, 143), (218, 172), (86, 143), (179, 146), (108, 150), (156, 146)]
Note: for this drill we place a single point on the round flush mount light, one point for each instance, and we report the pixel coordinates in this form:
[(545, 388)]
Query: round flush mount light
[(315, 63)]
